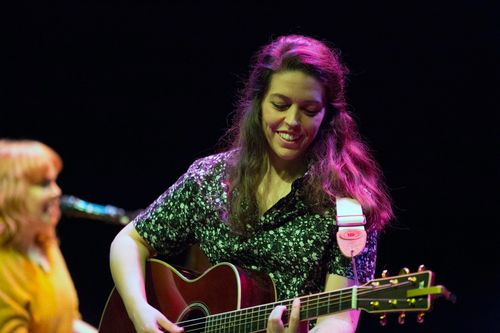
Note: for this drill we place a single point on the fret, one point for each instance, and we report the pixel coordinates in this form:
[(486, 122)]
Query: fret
[(245, 320), (217, 323), (263, 314), (257, 317), (252, 322), (208, 321), (214, 324), (237, 322), (209, 324), (233, 322), (340, 302), (354, 297), (249, 321), (328, 303), (225, 323), (317, 306), (230, 322)]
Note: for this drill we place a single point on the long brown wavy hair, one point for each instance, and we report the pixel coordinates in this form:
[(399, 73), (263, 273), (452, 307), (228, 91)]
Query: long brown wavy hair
[(340, 164), (22, 163)]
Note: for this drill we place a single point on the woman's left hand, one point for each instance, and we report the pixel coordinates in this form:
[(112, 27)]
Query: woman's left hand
[(275, 324)]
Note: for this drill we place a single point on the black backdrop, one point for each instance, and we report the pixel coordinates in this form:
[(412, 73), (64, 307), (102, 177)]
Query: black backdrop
[(131, 92)]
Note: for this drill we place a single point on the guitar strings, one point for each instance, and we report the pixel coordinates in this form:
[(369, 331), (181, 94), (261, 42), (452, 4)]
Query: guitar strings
[(248, 316), (264, 310)]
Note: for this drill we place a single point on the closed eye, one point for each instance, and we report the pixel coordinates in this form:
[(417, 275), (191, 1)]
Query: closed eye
[(311, 112), (280, 107), (44, 182)]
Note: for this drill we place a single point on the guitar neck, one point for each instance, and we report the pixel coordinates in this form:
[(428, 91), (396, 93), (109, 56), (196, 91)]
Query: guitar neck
[(313, 306), (255, 318)]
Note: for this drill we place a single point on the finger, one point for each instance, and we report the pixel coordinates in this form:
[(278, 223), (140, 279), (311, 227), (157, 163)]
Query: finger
[(169, 326), (293, 322), (274, 322)]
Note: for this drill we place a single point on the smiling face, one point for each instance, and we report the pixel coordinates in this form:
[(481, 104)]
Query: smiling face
[(292, 112), (43, 202)]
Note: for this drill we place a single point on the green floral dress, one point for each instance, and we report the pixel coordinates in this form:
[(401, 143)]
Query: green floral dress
[(295, 246)]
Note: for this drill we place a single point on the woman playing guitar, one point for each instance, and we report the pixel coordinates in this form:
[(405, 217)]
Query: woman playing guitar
[(267, 203)]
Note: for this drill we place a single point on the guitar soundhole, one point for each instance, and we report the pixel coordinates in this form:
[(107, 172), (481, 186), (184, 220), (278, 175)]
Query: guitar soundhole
[(194, 311)]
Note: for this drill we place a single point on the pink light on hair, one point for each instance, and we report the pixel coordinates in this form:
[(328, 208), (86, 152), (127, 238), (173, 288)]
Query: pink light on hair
[(340, 164)]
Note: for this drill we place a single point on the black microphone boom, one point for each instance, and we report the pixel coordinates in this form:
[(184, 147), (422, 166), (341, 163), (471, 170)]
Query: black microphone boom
[(72, 206)]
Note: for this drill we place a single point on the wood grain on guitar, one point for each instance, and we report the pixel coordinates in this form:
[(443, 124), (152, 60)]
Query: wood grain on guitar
[(228, 299)]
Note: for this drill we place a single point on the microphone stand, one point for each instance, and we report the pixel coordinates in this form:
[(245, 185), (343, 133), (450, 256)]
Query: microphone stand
[(72, 206)]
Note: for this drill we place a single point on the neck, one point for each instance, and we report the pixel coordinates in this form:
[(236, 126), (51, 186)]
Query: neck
[(279, 170), (32, 238), (276, 182)]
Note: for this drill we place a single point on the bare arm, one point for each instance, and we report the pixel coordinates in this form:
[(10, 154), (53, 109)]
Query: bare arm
[(128, 255)]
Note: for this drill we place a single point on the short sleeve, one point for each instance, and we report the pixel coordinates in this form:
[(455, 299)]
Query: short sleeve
[(365, 261), (167, 225)]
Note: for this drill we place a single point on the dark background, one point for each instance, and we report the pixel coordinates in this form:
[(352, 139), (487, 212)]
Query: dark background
[(131, 92)]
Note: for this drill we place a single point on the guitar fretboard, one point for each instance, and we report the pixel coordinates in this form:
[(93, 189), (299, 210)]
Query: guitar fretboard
[(255, 318)]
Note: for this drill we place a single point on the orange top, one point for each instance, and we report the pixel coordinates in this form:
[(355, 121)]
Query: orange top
[(33, 300)]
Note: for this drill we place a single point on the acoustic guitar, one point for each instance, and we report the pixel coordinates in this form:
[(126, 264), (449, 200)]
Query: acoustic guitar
[(229, 299)]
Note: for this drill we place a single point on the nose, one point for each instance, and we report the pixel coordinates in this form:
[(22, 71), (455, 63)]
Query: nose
[(56, 190), (292, 116)]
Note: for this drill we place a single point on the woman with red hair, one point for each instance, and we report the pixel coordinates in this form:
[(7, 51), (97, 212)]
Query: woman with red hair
[(37, 294)]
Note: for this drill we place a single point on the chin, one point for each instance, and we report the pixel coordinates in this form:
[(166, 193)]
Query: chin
[(289, 155), (290, 159), (51, 220), (46, 237)]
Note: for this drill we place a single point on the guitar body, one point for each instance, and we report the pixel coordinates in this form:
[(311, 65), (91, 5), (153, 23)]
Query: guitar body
[(183, 296)]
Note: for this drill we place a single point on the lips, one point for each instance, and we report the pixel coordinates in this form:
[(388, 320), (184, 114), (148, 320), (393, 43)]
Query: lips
[(51, 207), (289, 137)]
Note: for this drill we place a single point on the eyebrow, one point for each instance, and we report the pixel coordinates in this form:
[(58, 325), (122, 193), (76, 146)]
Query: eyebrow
[(288, 98)]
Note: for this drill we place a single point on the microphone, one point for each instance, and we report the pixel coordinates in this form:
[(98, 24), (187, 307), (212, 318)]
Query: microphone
[(72, 206)]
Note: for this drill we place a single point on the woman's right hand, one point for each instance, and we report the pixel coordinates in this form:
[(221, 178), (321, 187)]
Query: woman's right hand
[(147, 319), (128, 255)]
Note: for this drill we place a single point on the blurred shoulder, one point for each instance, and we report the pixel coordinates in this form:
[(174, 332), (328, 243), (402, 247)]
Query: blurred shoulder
[(212, 164), (15, 268)]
